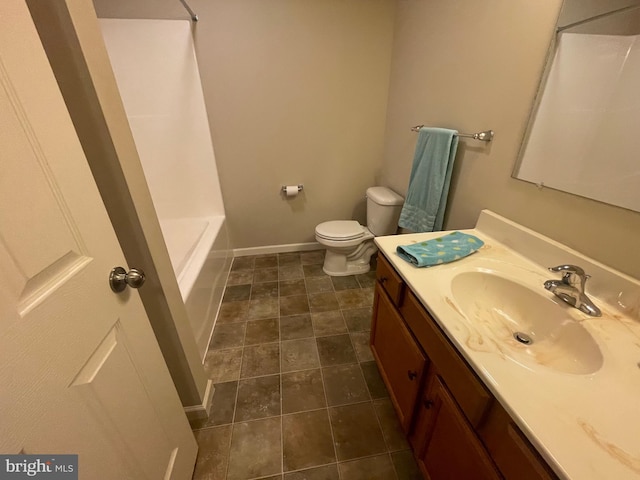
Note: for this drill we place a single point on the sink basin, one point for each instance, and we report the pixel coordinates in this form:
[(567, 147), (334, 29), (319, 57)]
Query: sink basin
[(512, 314)]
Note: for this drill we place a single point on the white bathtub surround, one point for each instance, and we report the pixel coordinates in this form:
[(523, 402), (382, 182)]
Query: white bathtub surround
[(157, 73), (583, 423)]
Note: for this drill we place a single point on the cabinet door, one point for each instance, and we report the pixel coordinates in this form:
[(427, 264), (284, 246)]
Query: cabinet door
[(446, 446), (516, 458), (400, 360)]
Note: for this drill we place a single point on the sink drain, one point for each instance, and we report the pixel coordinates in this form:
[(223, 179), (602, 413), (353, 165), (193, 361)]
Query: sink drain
[(523, 338)]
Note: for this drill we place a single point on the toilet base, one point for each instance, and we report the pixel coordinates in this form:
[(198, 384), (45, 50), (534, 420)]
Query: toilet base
[(338, 264)]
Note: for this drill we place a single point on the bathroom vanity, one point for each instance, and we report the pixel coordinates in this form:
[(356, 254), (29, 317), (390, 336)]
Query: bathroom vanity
[(477, 404)]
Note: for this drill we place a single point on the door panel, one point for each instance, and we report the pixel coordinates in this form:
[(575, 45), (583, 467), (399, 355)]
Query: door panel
[(80, 368)]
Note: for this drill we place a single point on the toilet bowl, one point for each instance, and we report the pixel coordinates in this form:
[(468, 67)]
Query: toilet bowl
[(350, 245)]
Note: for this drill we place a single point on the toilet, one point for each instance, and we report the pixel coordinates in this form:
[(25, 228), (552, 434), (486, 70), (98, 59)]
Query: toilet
[(350, 245)]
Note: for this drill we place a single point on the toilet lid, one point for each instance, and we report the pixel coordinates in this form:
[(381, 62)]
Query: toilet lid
[(340, 230)]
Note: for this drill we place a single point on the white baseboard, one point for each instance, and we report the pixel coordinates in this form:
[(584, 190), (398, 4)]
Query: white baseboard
[(267, 249), (201, 412)]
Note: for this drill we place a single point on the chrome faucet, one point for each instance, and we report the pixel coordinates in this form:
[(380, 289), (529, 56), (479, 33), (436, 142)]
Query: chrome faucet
[(570, 289)]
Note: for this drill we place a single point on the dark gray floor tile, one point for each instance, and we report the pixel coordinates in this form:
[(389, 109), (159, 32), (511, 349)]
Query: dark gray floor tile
[(255, 449), (371, 468), (307, 440), (344, 384), (241, 277), (262, 331), (223, 365), (265, 289), (374, 381), (302, 391), (391, 429), (328, 323), (313, 257), (327, 472), (288, 259), (291, 272), (323, 302), (313, 271), (227, 335), (356, 431), (360, 341), (266, 261), (344, 283), (213, 453), (367, 280), (358, 319), (263, 359), (242, 263), (258, 398), (318, 285), (299, 354), (261, 275), (296, 326), (355, 298), (406, 466), (236, 293), (233, 312), (222, 406), (292, 287), (335, 350), (263, 308), (294, 305)]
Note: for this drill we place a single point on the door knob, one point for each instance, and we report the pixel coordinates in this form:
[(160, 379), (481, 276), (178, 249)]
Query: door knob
[(120, 278), (412, 374)]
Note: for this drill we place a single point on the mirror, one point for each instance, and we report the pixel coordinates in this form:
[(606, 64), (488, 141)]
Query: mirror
[(583, 135)]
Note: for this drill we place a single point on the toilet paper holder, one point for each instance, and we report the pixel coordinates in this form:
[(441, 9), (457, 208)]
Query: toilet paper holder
[(284, 188)]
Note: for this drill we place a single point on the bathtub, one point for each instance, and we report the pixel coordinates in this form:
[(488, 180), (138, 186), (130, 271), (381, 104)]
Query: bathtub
[(156, 69), (200, 256)]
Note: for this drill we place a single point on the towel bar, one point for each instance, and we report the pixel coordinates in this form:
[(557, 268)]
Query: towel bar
[(485, 136)]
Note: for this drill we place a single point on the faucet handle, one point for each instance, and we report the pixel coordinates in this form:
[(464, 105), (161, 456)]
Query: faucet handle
[(569, 269), (568, 272)]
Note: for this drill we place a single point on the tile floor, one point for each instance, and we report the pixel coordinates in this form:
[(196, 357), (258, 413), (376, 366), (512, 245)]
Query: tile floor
[(298, 395)]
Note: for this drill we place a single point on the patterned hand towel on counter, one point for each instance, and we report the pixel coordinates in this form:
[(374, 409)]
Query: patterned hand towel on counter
[(423, 210), (445, 249)]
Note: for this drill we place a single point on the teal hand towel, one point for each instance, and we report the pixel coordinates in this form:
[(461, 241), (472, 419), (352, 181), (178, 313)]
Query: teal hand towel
[(424, 207), (445, 249)]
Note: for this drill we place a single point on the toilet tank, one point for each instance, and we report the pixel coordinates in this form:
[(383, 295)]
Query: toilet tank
[(383, 210)]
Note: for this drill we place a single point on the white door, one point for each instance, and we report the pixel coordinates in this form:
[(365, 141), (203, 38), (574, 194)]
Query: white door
[(80, 369)]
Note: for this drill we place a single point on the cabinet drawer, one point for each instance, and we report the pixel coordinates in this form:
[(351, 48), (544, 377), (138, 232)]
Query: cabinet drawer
[(471, 395), (390, 280), (512, 452), (400, 360)]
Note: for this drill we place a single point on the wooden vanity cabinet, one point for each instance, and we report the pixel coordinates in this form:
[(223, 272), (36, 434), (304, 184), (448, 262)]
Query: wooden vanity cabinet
[(457, 430), (400, 360), (444, 444), (511, 451)]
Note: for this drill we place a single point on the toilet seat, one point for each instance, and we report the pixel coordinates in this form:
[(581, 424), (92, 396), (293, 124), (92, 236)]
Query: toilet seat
[(340, 230)]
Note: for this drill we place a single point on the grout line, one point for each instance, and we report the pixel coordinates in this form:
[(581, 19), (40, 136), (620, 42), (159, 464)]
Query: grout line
[(333, 438), (280, 373)]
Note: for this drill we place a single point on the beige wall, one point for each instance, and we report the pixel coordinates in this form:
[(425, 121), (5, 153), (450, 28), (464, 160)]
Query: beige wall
[(473, 66), (296, 93), (296, 90)]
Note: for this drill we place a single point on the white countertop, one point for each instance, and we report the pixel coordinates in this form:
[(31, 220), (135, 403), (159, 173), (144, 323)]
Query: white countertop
[(587, 426)]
